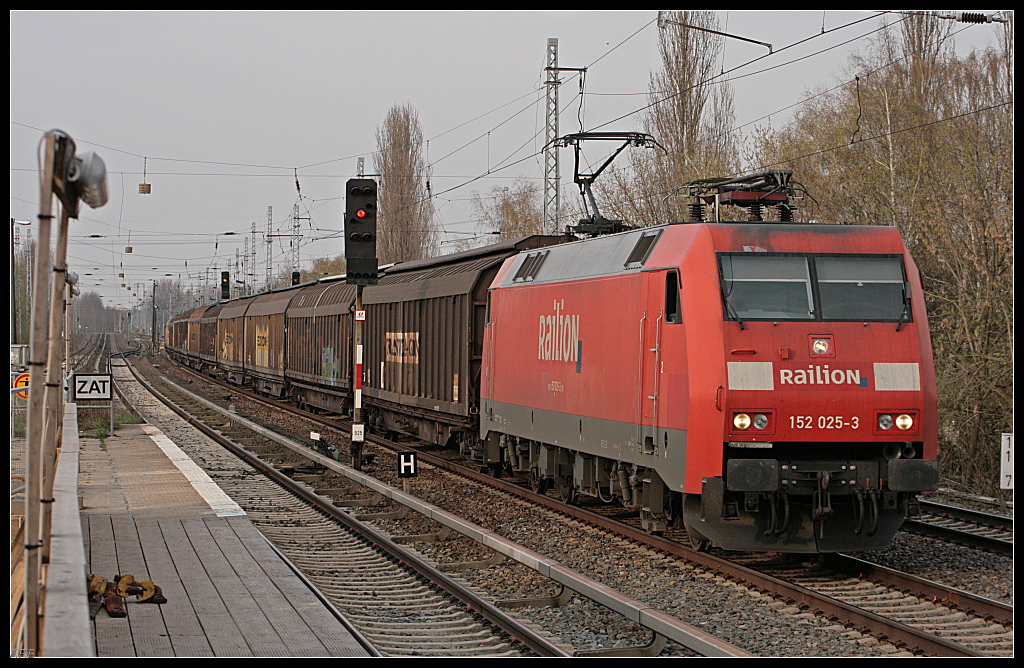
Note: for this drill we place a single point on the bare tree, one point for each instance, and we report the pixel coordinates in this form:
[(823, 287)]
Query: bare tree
[(690, 114), (405, 226), (510, 212), (922, 140)]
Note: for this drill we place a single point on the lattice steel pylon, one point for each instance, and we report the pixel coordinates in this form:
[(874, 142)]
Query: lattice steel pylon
[(551, 171)]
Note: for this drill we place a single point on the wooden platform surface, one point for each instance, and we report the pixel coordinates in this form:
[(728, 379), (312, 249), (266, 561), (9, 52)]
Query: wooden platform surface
[(228, 591)]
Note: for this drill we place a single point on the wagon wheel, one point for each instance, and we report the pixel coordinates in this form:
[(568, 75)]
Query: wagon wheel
[(539, 483), (566, 491)]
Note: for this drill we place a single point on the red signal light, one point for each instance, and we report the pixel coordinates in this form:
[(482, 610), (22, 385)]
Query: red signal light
[(361, 213)]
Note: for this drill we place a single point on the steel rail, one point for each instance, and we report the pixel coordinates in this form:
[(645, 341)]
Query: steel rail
[(891, 630), (653, 619), (985, 608), (527, 636)]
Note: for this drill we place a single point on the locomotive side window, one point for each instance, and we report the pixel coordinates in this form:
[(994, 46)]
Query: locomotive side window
[(861, 288), (767, 287), (673, 309)]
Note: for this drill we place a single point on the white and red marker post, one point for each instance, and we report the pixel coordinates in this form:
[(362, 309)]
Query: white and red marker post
[(358, 429)]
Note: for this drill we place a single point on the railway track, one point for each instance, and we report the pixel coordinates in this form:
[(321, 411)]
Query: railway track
[(89, 357), (988, 638), (964, 526), (401, 610), (395, 603)]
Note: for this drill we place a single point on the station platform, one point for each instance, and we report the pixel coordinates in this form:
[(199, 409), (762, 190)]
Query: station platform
[(147, 510)]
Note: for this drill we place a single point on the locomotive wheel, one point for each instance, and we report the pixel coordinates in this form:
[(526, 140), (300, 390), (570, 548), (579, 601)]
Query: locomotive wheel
[(538, 483), (698, 541)]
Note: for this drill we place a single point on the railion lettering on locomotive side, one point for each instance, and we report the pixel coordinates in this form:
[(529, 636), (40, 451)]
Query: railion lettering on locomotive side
[(559, 335)]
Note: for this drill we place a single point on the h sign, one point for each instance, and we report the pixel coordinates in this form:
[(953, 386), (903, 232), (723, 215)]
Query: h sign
[(406, 464)]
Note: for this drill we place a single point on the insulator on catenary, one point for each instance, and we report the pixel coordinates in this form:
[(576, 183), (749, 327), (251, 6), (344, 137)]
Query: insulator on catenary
[(972, 17)]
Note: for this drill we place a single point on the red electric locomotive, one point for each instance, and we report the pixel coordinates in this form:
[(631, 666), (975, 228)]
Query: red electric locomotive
[(769, 385)]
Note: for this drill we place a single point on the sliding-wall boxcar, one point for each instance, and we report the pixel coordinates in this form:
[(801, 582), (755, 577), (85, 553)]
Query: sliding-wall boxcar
[(319, 351), (265, 341), (423, 343), (176, 335), (231, 339), (208, 337), (192, 338)]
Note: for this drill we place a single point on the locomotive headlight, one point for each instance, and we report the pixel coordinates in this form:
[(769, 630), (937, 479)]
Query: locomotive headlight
[(760, 421), (819, 346), (904, 422), (885, 421), (741, 421)]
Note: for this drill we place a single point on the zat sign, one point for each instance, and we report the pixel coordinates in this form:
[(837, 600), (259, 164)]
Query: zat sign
[(93, 386)]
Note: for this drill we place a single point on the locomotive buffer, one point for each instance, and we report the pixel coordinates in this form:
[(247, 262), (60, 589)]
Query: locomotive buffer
[(360, 270)]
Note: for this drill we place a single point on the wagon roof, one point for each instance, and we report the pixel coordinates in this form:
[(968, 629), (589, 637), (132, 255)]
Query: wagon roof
[(322, 299), (212, 312), (196, 313), (235, 308), (504, 248), (271, 303)]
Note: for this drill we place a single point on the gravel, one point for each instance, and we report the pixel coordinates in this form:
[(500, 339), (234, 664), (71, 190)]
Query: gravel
[(732, 612)]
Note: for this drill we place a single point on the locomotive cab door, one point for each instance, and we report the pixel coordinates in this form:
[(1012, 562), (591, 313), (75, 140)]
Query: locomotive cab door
[(652, 322)]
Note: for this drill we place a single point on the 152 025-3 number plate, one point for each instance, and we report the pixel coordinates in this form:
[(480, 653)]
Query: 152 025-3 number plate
[(823, 422)]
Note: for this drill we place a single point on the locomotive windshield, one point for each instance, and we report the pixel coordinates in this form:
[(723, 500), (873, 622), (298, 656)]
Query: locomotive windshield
[(770, 286)]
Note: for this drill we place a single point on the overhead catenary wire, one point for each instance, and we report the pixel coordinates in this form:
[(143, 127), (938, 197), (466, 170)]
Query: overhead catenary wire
[(502, 165)]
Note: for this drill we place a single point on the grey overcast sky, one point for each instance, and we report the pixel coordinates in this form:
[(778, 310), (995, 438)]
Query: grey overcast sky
[(224, 110)]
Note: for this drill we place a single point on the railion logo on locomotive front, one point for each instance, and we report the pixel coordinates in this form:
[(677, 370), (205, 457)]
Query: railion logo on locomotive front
[(559, 335), (888, 376), (821, 375)]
